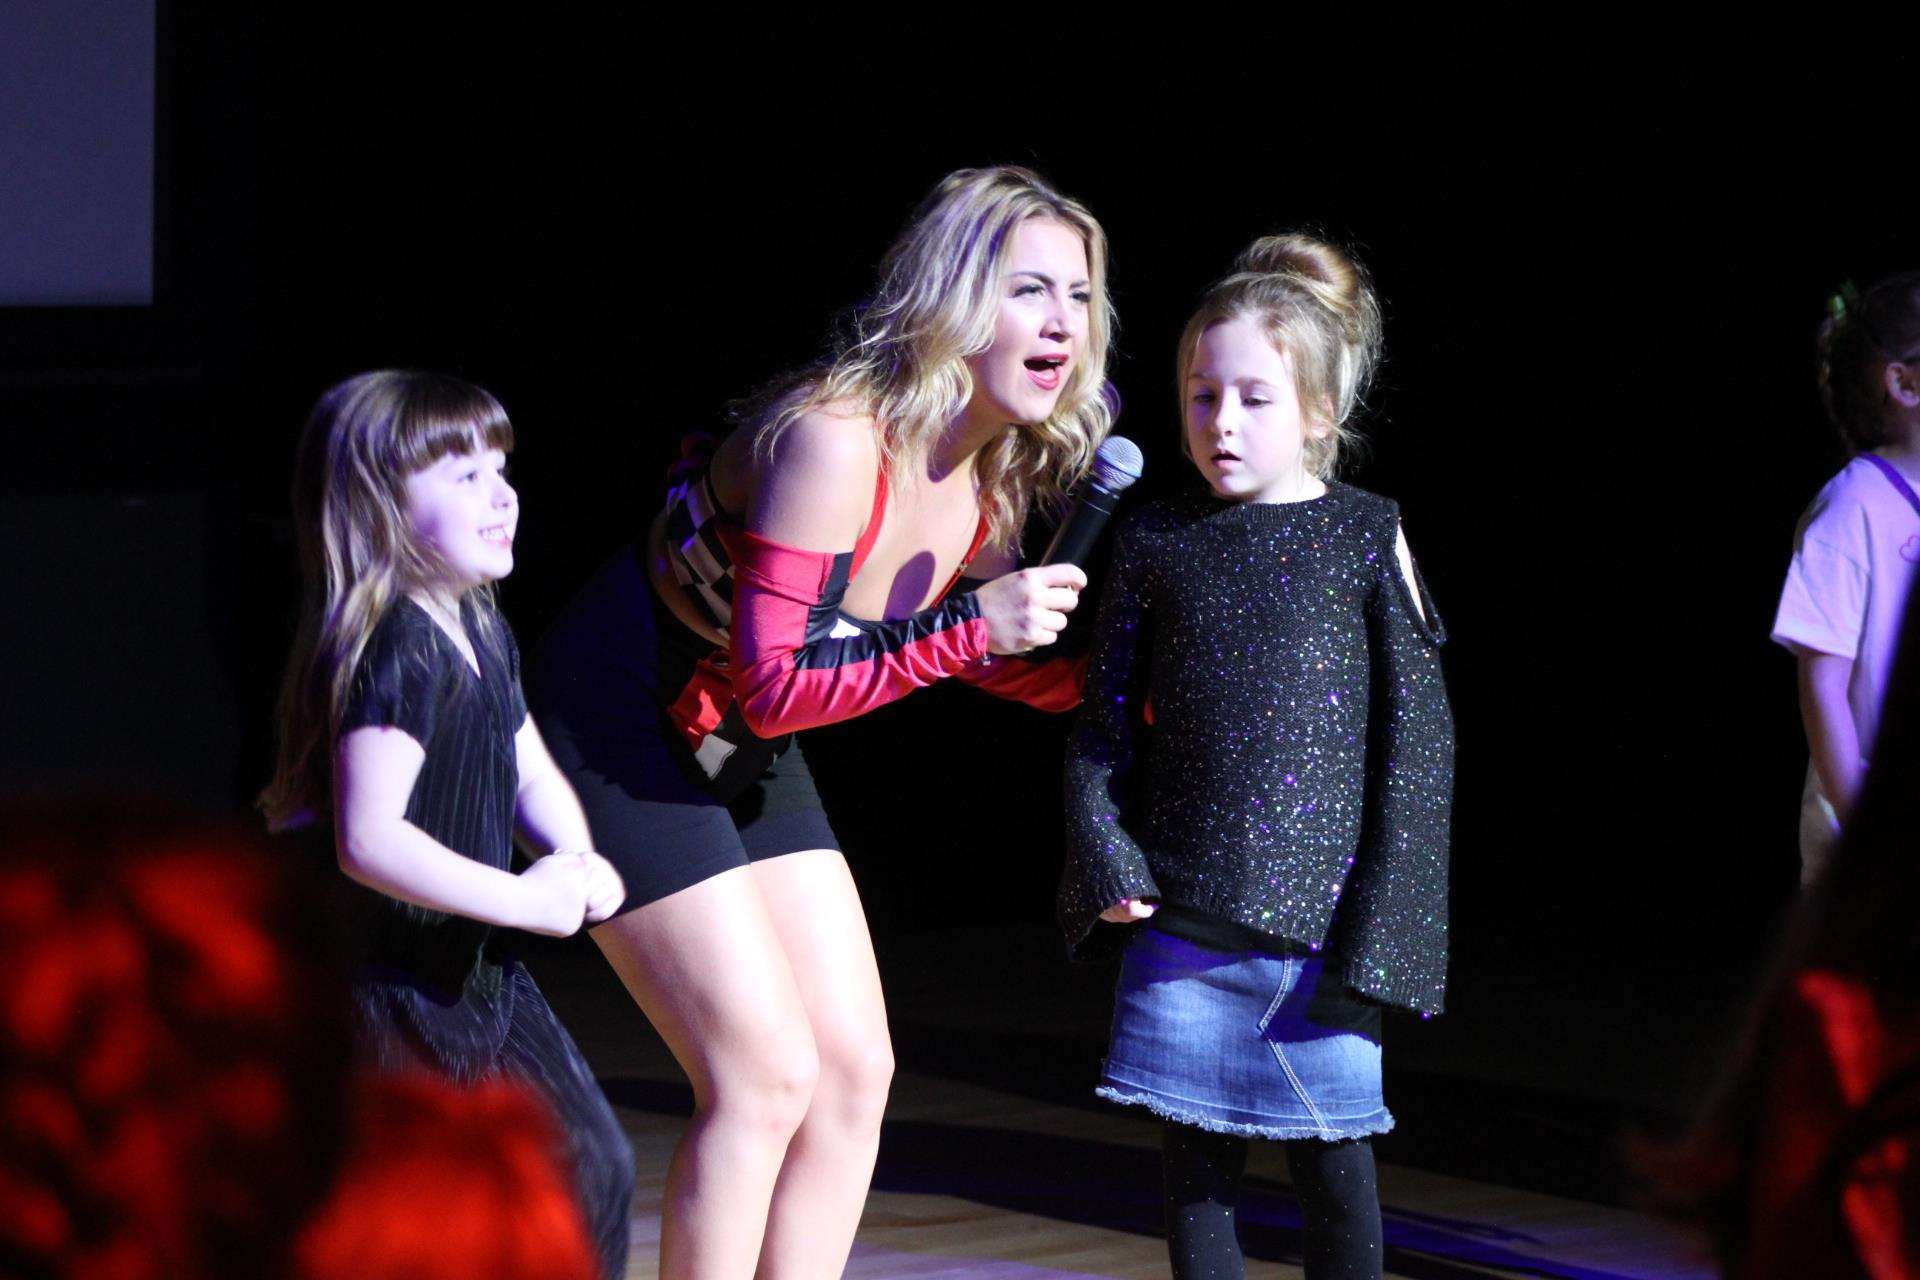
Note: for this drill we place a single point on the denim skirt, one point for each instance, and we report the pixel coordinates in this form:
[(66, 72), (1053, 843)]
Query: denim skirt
[(1221, 1040)]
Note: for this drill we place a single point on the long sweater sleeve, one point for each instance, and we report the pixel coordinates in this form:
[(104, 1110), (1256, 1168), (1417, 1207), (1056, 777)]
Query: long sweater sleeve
[(1104, 862), (1393, 922)]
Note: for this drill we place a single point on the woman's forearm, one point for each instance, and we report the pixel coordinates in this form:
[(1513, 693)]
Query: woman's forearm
[(791, 671)]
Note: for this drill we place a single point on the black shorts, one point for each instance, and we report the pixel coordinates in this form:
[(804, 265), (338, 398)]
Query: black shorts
[(599, 684)]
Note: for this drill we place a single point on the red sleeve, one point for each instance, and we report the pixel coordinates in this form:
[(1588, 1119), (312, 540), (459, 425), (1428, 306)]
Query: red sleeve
[(797, 663), (1045, 683)]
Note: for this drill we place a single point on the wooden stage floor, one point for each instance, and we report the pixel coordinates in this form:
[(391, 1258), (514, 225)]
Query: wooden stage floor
[(997, 1162)]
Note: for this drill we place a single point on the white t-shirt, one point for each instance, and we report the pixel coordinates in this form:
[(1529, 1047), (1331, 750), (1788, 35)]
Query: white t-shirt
[(1853, 564)]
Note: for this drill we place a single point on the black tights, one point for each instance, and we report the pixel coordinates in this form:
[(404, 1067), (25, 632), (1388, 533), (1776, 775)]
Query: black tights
[(1333, 1180)]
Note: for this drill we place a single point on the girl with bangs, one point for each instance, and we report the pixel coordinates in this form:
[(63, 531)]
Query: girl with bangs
[(853, 542), (403, 728)]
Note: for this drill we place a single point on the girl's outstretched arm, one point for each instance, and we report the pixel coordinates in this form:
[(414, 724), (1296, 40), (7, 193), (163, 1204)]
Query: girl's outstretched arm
[(1832, 738), (546, 812), (550, 820), (1104, 866), (374, 770)]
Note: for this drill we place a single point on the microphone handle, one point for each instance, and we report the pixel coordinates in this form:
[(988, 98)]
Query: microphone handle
[(1073, 541)]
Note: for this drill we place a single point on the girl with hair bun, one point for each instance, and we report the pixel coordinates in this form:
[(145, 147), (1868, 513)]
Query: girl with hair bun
[(1855, 549), (1259, 788), (853, 541)]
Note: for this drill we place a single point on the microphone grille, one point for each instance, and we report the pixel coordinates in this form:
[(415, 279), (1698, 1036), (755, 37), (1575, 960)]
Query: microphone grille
[(1117, 463)]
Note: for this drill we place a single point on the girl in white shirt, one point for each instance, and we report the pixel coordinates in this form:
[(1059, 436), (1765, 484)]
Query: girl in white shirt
[(1856, 547)]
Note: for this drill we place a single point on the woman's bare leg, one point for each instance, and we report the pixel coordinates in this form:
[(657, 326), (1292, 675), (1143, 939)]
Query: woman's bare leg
[(823, 1184), (707, 968)]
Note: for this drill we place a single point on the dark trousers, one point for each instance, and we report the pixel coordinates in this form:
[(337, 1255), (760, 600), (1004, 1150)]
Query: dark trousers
[(539, 1051), (466, 1041)]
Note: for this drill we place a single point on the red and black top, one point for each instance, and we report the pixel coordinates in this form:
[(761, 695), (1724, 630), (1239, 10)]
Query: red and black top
[(794, 660)]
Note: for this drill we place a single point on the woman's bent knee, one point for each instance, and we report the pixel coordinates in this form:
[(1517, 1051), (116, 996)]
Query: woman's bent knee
[(769, 1094), (854, 1082)]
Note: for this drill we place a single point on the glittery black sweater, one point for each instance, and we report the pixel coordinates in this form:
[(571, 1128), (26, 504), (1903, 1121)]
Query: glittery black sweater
[(1265, 736)]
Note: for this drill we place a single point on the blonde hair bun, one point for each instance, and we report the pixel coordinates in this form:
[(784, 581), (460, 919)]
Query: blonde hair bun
[(1295, 254), (1334, 277)]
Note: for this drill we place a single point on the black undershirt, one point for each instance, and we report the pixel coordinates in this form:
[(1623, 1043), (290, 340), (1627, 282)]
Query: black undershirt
[(1334, 1005)]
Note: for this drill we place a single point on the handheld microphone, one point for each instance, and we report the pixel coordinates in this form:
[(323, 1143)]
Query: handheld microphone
[(1116, 464)]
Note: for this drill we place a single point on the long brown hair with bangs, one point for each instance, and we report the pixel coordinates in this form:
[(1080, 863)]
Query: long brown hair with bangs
[(358, 552)]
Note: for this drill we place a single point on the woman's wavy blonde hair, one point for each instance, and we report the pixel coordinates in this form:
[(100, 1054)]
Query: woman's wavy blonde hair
[(937, 304), (1315, 303), (358, 551)]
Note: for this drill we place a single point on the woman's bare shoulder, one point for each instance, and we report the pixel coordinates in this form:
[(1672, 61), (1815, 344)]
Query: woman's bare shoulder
[(832, 435), (815, 486)]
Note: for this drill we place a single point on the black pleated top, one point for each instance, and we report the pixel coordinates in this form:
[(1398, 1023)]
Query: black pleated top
[(413, 678)]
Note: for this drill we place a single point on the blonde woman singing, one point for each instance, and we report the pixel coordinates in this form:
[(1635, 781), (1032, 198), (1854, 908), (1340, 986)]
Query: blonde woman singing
[(853, 542)]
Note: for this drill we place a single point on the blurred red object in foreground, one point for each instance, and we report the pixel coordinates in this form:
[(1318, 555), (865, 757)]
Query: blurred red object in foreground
[(173, 1045), (443, 1180)]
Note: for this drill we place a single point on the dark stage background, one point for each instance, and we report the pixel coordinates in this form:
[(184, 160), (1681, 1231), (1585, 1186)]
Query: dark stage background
[(1597, 410)]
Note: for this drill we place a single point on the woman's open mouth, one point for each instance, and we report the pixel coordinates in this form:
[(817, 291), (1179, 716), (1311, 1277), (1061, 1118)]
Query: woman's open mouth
[(1047, 371)]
